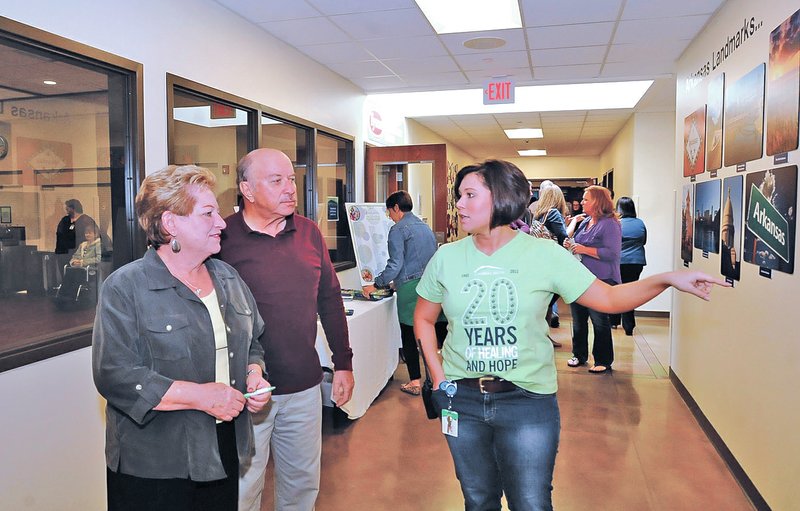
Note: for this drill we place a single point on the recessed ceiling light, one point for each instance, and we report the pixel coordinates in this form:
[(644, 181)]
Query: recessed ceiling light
[(524, 133), (452, 16), (50, 82), (533, 152), (484, 43)]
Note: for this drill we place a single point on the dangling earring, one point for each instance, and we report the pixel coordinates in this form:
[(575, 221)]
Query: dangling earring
[(175, 245)]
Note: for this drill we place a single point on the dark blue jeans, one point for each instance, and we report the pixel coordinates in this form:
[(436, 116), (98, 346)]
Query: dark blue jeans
[(506, 443), (603, 349)]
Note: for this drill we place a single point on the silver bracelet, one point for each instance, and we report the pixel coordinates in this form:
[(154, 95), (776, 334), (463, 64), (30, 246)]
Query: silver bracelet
[(248, 373)]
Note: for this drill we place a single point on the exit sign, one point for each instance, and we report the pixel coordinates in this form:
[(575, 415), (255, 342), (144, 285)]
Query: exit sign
[(498, 92)]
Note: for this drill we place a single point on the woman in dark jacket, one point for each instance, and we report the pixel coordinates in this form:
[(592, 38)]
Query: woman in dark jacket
[(632, 258), (174, 350)]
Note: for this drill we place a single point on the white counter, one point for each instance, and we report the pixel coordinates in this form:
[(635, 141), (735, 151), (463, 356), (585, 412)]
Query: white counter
[(375, 340)]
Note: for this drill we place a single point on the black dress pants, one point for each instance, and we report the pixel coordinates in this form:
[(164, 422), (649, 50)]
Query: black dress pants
[(629, 273), (410, 350), (130, 493)]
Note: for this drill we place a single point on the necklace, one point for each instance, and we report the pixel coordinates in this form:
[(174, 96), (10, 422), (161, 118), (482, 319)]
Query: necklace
[(197, 290)]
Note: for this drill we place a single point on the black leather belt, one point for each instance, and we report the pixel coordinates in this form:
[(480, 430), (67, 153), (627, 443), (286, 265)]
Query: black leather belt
[(488, 384)]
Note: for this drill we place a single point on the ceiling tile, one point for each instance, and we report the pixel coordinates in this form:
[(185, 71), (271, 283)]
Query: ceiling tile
[(336, 52), (361, 68), (333, 7), (639, 9), (569, 56), (404, 47), (492, 61), (562, 73), (438, 79), (564, 12), (588, 34), (306, 31), (644, 31), (376, 25), (666, 50), (514, 38), (520, 75), (419, 66), (270, 10), (637, 70)]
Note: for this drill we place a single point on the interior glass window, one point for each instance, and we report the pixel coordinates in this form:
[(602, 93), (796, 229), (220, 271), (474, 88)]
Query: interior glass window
[(65, 153)]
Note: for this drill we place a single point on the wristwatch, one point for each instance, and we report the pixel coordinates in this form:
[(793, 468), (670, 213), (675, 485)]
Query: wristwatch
[(448, 387)]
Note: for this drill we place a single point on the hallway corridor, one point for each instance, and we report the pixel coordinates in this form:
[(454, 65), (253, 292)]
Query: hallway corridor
[(628, 442)]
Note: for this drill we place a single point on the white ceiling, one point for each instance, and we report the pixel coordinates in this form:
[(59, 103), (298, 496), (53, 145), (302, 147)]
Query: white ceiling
[(389, 46)]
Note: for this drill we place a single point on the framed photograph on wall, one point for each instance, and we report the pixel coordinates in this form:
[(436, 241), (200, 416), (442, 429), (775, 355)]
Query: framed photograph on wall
[(687, 222), (706, 216), (731, 227), (783, 79), (744, 118), (694, 143), (771, 202), (714, 119)]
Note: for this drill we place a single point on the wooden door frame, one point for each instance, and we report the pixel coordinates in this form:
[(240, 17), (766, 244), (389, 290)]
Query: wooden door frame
[(435, 153)]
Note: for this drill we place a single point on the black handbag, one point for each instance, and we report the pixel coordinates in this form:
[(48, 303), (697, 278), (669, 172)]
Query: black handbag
[(427, 390)]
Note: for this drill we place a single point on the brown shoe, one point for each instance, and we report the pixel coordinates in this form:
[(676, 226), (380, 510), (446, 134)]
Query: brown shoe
[(555, 343), (409, 388)]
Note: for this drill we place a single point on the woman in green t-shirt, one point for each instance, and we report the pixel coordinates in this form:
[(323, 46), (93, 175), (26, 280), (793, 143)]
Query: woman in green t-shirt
[(497, 381)]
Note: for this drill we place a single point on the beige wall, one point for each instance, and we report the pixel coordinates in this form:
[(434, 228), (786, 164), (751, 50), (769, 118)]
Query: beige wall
[(737, 355)]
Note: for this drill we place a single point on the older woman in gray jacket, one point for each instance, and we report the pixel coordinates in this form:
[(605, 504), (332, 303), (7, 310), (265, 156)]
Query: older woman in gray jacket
[(175, 350)]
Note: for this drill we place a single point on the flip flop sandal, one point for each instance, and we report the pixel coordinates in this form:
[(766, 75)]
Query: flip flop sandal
[(408, 388)]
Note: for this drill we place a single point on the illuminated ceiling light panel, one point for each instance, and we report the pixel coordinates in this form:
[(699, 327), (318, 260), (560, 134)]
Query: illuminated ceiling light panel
[(454, 16), (50, 82), (533, 152), (535, 98), (524, 133)]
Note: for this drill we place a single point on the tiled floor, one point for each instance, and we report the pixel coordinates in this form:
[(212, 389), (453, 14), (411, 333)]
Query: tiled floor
[(628, 442)]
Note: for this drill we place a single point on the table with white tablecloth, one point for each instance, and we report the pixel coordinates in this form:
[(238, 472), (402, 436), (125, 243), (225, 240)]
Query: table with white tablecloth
[(375, 341)]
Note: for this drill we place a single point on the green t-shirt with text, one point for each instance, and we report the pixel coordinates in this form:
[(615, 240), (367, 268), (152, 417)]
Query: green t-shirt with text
[(495, 307)]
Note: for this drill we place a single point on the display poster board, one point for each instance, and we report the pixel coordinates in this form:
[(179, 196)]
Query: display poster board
[(369, 228)]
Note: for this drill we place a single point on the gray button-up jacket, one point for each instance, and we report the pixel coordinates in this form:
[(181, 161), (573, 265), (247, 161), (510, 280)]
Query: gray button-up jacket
[(151, 330)]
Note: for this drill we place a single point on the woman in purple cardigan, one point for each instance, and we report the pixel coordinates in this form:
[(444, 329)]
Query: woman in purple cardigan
[(597, 240)]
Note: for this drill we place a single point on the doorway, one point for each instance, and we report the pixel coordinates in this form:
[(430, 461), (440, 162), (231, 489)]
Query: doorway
[(421, 170)]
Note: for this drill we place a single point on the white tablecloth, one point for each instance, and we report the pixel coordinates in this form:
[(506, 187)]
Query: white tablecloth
[(375, 340)]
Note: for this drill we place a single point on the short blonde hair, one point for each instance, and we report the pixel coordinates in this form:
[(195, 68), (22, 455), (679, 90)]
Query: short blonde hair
[(168, 189), (549, 198)]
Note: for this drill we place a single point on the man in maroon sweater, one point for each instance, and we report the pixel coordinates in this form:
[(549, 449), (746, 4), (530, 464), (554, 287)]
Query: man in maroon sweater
[(283, 259)]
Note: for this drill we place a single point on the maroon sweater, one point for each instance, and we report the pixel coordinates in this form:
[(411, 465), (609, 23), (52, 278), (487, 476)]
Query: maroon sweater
[(292, 280)]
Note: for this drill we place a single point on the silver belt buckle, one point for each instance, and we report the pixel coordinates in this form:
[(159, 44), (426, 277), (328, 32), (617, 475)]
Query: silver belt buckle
[(484, 379)]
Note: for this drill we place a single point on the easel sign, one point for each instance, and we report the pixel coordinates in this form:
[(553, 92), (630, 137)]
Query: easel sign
[(369, 229)]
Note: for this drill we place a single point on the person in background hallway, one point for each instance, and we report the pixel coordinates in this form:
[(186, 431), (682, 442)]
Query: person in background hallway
[(411, 245), (551, 210), (496, 282), (597, 240), (89, 251), (71, 230), (283, 258), (632, 257), (534, 203), (175, 346), (575, 210)]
